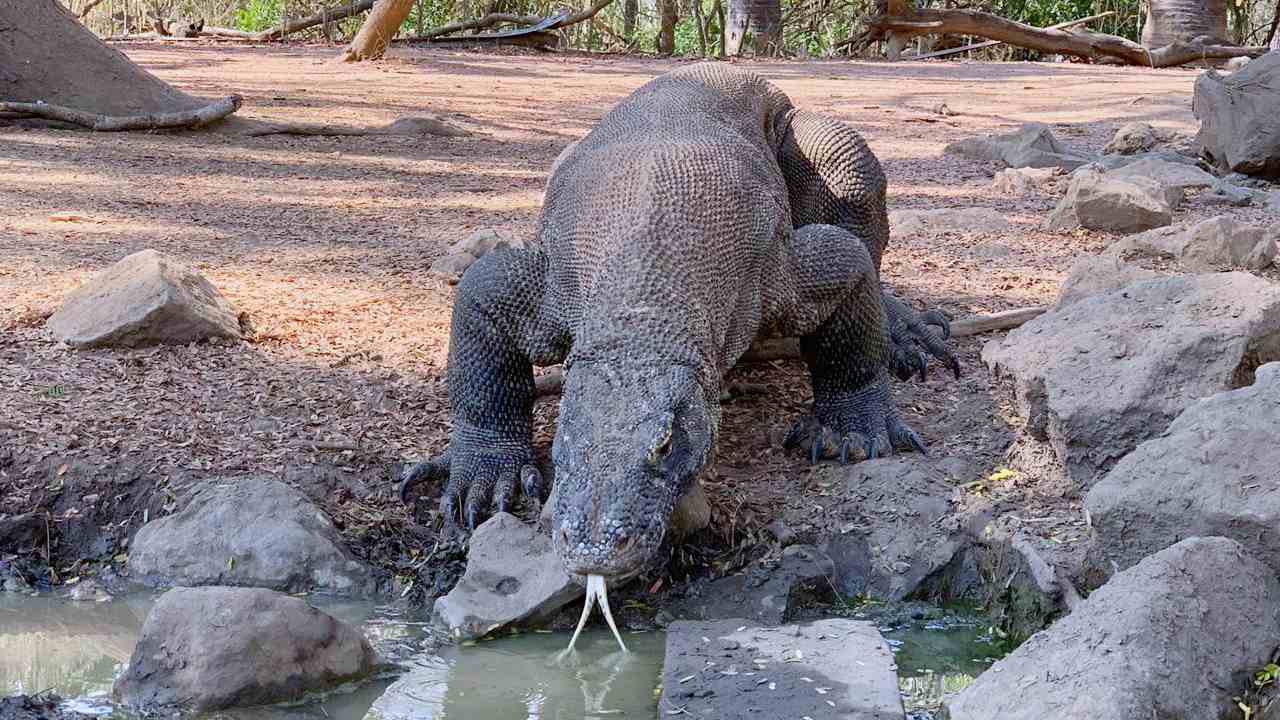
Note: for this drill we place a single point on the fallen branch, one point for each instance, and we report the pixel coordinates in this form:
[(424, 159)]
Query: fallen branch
[(84, 11), (108, 123), (1082, 44), (787, 348), (993, 43), (327, 15), (533, 23)]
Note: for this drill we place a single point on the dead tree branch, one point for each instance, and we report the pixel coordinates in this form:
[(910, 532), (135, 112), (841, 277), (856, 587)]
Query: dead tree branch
[(109, 123), (84, 11), (1082, 44), (327, 15), (531, 23)]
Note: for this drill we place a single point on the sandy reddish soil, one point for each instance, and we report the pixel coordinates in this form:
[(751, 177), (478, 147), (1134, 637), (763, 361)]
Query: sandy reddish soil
[(325, 243)]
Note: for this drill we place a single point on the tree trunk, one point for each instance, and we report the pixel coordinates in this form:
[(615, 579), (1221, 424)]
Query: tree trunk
[(670, 15), (1273, 37), (761, 18), (378, 29), (1170, 21), (630, 9), (48, 56)]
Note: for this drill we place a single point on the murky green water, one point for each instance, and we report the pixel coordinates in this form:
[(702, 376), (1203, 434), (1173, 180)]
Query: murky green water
[(938, 658), (76, 649)]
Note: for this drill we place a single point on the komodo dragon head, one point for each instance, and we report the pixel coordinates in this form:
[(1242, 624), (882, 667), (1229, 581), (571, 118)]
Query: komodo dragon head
[(630, 442)]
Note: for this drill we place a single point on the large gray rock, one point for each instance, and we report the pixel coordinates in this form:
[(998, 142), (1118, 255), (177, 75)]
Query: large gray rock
[(1032, 145), (205, 649), (733, 670), (1107, 163), (927, 223), (1020, 181), (1133, 138), (1206, 245), (1215, 471), (1178, 176), (513, 575), (899, 525), (144, 299), (1097, 376), (1239, 125), (1098, 275), (766, 593), (464, 253), (253, 532), (1176, 636), (1115, 204)]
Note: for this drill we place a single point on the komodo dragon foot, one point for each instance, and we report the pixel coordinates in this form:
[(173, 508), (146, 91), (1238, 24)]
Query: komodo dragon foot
[(913, 341), (477, 480), (857, 426)]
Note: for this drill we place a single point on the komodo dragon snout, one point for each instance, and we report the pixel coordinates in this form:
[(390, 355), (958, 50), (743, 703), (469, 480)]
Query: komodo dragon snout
[(630, 442)]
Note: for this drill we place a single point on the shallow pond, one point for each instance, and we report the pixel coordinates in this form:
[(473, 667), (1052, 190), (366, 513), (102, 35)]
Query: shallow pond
[(76, 649)]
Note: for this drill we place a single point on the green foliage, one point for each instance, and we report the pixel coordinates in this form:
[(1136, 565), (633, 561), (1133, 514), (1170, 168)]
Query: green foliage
[(257, 15)]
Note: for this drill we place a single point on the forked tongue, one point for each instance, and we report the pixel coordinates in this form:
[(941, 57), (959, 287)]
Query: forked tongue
[(595, 590)]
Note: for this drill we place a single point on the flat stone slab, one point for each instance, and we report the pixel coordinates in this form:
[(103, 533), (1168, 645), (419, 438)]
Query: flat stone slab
[(733, 670)]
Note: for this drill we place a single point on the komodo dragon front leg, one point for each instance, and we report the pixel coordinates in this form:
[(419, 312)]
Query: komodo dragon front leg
[(840, 319), (833, 178), (502, 326)]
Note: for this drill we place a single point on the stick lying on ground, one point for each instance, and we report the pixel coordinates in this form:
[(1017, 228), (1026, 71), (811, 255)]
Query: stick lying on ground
[(116, 123)]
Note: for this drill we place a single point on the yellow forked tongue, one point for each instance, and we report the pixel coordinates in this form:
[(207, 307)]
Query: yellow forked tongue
[(595, 590)]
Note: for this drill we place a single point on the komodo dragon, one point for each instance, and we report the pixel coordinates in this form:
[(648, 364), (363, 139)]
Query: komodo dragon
[(703, 211)]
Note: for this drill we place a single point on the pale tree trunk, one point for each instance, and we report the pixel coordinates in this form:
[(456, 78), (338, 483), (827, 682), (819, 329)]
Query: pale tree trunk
[(762, 18), (1170, 21), (670, 15), (630, 9), (1273, 37), (378, 29)]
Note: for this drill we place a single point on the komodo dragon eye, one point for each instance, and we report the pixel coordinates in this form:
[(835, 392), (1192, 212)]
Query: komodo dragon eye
[(662, 449)]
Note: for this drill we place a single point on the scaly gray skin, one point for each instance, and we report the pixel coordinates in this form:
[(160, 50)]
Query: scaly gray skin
[(703, 211)]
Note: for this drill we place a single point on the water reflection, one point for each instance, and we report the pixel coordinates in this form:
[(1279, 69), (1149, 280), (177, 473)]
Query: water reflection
[(71, 648), (935, 660), (520, 677), (77, 649)]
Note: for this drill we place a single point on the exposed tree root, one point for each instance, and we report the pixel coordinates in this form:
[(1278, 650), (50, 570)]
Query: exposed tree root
[(108, 123)]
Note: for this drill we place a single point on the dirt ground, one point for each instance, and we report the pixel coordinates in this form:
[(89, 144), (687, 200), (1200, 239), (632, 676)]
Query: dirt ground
[(325, 243)]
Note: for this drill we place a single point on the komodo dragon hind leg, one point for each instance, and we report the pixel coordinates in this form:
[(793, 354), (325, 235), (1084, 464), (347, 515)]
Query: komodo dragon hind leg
[(502, 326), (833, 178), (844, 343)]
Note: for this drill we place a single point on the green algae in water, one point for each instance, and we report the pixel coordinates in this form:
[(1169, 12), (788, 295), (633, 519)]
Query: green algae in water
[(939, 657), (76, 649)]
